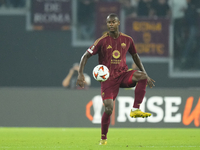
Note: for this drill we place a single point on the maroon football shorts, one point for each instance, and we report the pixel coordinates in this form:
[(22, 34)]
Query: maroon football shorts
[(110, 88)]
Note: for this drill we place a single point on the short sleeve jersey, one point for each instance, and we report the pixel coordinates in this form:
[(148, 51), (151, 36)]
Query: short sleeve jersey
[(112, 52)]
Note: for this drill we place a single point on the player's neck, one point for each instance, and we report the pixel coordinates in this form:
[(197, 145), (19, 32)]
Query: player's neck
[(115, 34)]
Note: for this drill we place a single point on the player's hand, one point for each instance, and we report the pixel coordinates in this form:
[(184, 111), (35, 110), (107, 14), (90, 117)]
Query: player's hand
[(150, 82), (81, 80)]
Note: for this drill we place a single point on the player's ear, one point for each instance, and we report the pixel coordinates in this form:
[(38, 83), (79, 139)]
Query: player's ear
[(118, 22)]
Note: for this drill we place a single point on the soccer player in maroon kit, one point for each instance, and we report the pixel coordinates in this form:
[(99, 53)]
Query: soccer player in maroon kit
[(111, 49)]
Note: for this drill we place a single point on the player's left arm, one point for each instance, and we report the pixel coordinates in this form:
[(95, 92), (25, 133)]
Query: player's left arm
[(139, 64), (136, 59)]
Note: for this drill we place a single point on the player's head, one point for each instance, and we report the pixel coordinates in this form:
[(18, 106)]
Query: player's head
[(113, 22)]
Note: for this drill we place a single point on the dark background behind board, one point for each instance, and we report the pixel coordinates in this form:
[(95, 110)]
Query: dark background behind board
[(43, 58)]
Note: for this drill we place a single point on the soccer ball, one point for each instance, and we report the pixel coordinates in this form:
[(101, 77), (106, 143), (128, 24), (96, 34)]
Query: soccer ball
[(101, 73)]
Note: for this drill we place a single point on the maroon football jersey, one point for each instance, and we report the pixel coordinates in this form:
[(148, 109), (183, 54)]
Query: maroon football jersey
[(112, 52)]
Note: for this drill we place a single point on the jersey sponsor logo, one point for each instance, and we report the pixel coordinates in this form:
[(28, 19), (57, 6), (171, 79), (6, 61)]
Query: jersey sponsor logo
[(116, 54), (123, 45), (109, 47)]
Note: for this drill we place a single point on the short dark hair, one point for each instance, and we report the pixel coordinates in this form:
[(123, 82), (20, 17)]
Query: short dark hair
[(113, 15)]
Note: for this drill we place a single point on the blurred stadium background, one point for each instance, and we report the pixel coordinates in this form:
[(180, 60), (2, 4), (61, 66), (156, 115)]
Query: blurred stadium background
[(42, 39)]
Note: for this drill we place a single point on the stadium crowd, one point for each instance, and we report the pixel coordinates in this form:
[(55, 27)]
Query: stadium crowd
[(12, 3), (184, 15)]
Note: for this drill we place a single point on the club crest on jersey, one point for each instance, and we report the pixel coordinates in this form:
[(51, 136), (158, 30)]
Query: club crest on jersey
[(109, 47), (123, 45), (116, 54)]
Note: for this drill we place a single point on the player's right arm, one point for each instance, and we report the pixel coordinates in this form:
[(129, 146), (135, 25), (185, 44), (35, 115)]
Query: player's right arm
[(93, 50), (81, 78)]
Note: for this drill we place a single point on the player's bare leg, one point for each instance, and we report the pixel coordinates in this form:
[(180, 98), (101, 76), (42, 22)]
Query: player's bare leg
[(105, 121), (140, 90)]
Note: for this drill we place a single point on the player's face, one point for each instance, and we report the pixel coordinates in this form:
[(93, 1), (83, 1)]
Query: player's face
[(112, 24)]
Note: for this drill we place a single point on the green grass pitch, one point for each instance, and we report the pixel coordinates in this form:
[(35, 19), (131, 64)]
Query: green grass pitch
[(88, 138)]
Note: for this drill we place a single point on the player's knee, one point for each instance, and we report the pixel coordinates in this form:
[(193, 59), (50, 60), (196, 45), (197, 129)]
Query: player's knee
[(108, 110), (143, 76), (139, 75), (108, 103)]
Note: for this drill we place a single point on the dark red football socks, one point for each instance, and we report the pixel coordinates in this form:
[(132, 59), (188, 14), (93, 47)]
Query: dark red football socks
[(105, 122), (140, 91)]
